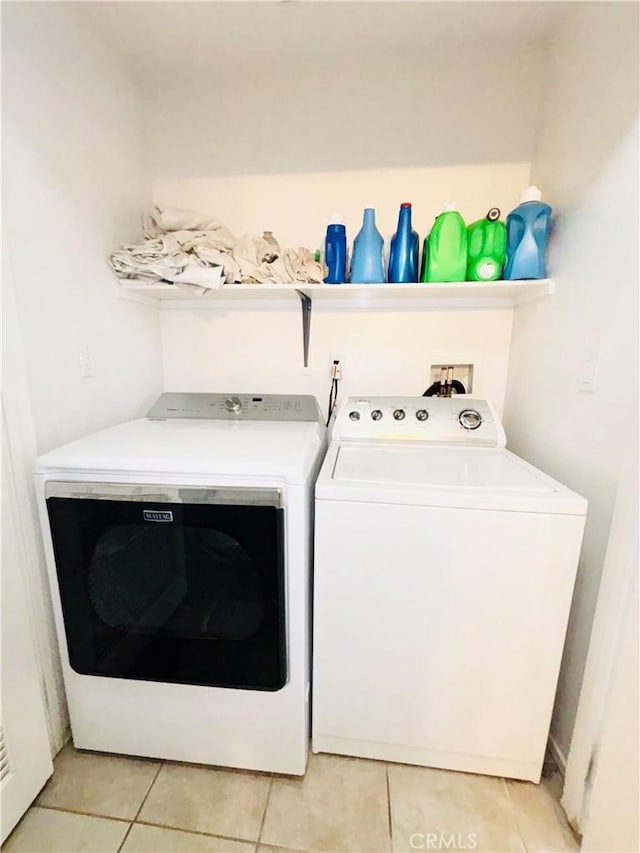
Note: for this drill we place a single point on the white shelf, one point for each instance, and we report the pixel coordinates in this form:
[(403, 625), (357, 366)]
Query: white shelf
[(431, 296), (464, 295)]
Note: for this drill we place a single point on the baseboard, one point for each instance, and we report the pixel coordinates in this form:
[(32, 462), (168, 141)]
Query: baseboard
[(558, 755)]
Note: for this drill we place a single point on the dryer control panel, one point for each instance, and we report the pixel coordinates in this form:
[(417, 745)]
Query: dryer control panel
[(429, 420), (237, 407)]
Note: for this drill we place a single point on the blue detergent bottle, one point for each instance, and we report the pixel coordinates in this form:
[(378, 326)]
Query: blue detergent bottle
[(367, 262), (527, 237), (335, 251), (403, 251)]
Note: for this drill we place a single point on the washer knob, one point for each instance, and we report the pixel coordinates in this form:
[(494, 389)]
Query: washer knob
[(398, 415), (422, 414), (354, 416), (233, 404), (376, 414), (470, 419)]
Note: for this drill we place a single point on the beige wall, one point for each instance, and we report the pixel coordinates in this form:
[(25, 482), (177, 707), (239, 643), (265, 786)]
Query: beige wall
[(286, 150), (74, 185), (382, 352), (586, 162), (327, 137)]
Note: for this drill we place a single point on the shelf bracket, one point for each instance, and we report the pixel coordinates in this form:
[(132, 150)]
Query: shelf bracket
[(305, 304)]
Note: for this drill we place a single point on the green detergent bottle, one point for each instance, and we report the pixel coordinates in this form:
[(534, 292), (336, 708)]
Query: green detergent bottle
[(487, 245), (445, 250)]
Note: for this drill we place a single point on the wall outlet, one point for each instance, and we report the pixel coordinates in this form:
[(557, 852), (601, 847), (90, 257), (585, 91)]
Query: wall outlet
[(336, 370), (87, 367)]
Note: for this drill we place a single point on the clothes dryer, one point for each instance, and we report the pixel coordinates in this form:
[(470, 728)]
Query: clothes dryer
[(179, 556)]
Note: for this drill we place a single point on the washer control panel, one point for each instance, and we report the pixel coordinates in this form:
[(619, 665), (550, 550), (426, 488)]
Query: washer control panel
[(237, 407), (433, 420)]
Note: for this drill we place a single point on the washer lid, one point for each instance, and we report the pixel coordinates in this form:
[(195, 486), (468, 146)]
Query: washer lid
[(204, 448), (442, 476), (439, 467)]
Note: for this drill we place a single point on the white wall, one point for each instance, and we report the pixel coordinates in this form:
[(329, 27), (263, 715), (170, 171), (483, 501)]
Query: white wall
[(385, 352), (586, 162), (285, 151), (74, 183), (74, 186)]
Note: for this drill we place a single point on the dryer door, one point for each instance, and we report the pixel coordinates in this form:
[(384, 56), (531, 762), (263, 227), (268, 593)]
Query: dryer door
[(171, 584)]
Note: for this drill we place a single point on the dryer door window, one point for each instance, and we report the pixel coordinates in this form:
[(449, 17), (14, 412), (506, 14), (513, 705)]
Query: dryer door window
[(172, 584)]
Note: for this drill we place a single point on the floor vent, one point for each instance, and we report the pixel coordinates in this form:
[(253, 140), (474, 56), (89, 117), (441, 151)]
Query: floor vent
[(5, 767)]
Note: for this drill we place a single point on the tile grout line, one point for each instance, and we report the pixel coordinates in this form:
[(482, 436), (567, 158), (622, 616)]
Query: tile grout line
[(386, 771), (144, 800), (146, 823), (126, 835), (81, 813), (195, 832), (264, 813), (514, 814)]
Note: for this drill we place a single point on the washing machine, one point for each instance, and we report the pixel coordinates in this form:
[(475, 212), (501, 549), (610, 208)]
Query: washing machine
[(444, 570), (179, 554)]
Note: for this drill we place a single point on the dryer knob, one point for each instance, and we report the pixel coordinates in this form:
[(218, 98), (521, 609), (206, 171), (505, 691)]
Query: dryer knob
[(376, 414), (398, 414), (470, 419), (233, 404), (354, 416), (422, 414)]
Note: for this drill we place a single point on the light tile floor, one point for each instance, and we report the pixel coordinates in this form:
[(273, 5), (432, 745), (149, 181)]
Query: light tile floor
[(98, 802)]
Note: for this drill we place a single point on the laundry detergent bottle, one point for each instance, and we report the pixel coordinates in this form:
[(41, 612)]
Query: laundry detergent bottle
[(335, 252), (486, 246), (527, 237), (367, 261), (446, 249), (403, 251)]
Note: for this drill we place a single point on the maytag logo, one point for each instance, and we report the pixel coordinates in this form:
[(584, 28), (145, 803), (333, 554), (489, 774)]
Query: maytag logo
[(157, 515)]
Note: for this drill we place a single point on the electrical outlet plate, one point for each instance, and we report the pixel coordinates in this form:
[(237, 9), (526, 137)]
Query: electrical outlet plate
[(462, 372), (590, 371)]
